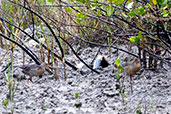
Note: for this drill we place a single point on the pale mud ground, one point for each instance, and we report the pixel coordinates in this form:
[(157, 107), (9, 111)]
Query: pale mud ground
[(152, 90)]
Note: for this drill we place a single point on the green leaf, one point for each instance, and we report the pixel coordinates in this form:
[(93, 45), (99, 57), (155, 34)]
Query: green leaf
[(132, 14), (117, 77), (84, 16), (117, 62), (70, 1), (120, 69), (109, 41), (140, 35), (162, 2), (68, 9), (87, 1), (78, 20), (12, 30), (118, 2), (109, 30), (76, 95), (82, 1), (109, 10), (165, 2), (142, 11), (165, 13), (138, 109), (92, 7), (110, 1), (11, 8), (99, 12), (40, 2), (97, 4), (5, 102), (77, 8), (81, 15), (134, 40)]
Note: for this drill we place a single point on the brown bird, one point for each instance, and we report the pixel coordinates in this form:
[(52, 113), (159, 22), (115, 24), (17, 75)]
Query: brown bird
[(34, 70), (131, 69)]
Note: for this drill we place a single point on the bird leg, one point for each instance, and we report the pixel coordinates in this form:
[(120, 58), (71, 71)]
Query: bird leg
[(131, 82), (29, 79), (123, 80)]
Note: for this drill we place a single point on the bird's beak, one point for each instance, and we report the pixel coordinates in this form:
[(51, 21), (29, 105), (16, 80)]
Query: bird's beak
[(51, 67)]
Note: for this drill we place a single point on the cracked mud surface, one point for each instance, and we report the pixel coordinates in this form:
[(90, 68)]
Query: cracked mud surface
[(97, 92)]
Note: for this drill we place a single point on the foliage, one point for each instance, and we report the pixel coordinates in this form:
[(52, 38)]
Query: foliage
[(105, 23), (5, 102), (76, 95)]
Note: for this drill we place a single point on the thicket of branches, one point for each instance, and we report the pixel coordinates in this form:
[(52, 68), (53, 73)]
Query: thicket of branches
[(102, 23)]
